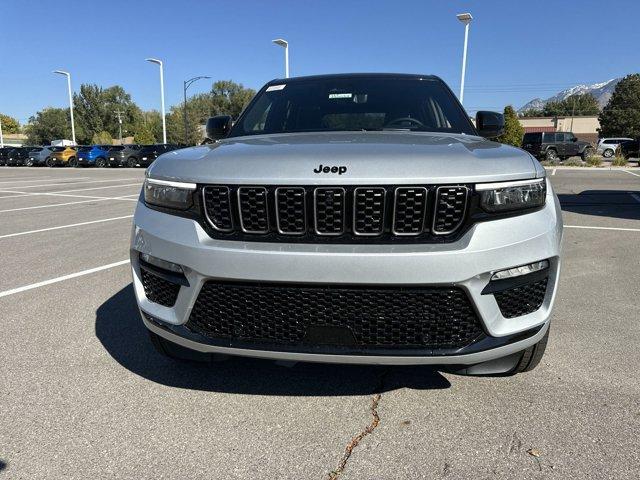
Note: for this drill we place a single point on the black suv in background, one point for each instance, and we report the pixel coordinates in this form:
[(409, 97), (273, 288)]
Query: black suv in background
[(4, 154), (18, 156), (552, 146), (148, 153), (629, 149), (124, 155)]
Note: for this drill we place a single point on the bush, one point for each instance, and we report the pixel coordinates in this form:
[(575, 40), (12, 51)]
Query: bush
[(594, 161), (619, 161), (573, 162), (549, 163)]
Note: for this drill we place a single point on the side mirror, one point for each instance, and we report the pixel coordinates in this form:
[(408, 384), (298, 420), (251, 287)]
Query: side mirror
[(489, 124), (574, 139), (218, 127)]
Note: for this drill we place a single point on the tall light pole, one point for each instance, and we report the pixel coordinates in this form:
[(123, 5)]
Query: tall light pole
[(1, 137), (186, 84), (73, 127), (283, 43), (466, 19), (164, 122)]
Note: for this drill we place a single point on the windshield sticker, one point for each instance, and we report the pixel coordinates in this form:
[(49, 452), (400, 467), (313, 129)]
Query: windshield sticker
[(273, 88), (340, 95)]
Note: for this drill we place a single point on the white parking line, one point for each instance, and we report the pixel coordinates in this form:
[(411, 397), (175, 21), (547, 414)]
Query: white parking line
[(604, 228), (635, 196), (13, 291), (33, 179), (78, 183), (60, 192), (92, 199), (631, 173), (60, 227), (554, 171)]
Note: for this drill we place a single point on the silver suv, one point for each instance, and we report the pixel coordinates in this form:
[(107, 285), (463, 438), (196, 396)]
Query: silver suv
[(356, 218), (607, 146)]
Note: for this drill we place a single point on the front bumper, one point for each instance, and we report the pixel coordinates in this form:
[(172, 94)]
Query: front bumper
[(86, 161), (467, 263)]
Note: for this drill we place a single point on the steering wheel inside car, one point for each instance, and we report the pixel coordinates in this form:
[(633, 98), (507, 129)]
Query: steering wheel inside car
[(398, 122)]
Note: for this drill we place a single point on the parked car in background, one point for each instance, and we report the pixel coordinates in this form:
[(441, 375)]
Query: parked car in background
[(552, 146), (124, 155), (64, 156), (17, 156), (93, 155), (4, 154), (629, 149), (148, 153), (41, 156), (607, 146)]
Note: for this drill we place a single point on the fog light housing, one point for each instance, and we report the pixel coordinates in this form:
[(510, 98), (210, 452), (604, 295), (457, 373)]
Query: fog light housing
[(521, 270), (163, 264)]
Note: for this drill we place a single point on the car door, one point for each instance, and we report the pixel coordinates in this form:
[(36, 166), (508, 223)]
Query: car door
[(571, 145)]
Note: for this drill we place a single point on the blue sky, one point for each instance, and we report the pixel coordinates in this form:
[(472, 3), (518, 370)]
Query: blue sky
[(517, 50)]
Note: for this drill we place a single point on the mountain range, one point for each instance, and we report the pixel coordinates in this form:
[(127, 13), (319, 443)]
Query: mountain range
[(601, 91)]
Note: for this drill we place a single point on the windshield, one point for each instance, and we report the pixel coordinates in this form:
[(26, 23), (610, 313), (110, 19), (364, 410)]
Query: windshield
[(354, 103)]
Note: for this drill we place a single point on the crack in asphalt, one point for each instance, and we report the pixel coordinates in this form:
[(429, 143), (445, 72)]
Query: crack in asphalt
[(375, 421)]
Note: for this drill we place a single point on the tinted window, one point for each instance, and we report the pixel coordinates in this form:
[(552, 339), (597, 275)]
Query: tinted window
[(549, 137), (532, 138), (354, 103)]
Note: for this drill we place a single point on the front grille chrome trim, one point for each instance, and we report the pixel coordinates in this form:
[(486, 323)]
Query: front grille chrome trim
[(424, 211), (266, 197), (206, 210), (315, 212), (435, 209)]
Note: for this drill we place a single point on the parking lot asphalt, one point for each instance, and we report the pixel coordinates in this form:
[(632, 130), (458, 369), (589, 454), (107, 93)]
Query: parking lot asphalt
[(84, 395)]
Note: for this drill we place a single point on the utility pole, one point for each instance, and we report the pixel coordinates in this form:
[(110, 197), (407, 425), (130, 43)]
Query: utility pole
[(118, 114)]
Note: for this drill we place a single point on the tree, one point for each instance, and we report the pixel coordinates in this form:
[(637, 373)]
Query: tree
[(198, 110), (9, 124), (102, 138), (48, 125), (532, 112), (574, 105), (229, 98), (143, 135), (513, 130), (621, 116)]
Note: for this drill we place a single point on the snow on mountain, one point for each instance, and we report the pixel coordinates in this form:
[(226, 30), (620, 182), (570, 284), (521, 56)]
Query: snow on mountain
[(602, 91)]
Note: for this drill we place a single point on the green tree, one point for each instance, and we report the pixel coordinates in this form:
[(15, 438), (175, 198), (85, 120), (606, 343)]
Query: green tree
[(48, 125), (143, 135), (575, 105), (102, 138), (513, 130), (198, 110), (532, 112), (229, 98), (621, 116), (152, 120), (9, 124)]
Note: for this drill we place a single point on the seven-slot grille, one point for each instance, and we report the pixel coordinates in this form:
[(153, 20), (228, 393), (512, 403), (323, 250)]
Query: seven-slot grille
[(264, 213)]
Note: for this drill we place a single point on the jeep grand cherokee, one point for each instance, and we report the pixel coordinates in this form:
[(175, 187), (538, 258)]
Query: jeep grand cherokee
[(356, 218)]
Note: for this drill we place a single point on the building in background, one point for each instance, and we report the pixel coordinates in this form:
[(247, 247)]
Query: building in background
[(584, 127)]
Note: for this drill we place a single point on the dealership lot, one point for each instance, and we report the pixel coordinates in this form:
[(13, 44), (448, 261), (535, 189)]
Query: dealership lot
[(84, 395)]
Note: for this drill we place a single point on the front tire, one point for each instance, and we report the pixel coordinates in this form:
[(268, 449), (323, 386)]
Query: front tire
[(49, 162), (608, 153), (551, 155), (586, 153), (132, 162), (30, 163), (73, 162), (531, 356), (101, 162)]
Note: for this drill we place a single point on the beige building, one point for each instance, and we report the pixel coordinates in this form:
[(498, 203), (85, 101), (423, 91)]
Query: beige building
[(585, 128)]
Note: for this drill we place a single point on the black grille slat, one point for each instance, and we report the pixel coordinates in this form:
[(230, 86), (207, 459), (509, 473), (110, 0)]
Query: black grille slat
[(217, 204), (450, 208), (389, 317), (368, 211), (410, 208), (253, 209), (158, 290), (329, 210), (522, 300), (291, 210)]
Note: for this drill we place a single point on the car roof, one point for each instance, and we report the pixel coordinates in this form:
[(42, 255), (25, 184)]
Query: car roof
[(331, 76)]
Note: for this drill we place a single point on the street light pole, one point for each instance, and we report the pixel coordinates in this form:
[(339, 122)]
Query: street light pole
[(1, 137), (186, 84), (164, 121), (283, 43), (465, 18), (73, 127)]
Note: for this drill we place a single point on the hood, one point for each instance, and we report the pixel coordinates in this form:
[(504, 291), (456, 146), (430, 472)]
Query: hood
[(391, 157)]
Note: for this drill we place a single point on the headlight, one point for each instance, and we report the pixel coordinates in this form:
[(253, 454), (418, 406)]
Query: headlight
[(162, 193), (508, 196)]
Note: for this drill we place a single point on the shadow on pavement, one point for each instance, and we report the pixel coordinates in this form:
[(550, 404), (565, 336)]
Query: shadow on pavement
[(621, 204), (120, 330)]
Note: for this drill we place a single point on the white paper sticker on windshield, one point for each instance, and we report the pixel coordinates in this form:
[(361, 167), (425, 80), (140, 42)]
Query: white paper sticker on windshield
[(340, 95), (275, 87)]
